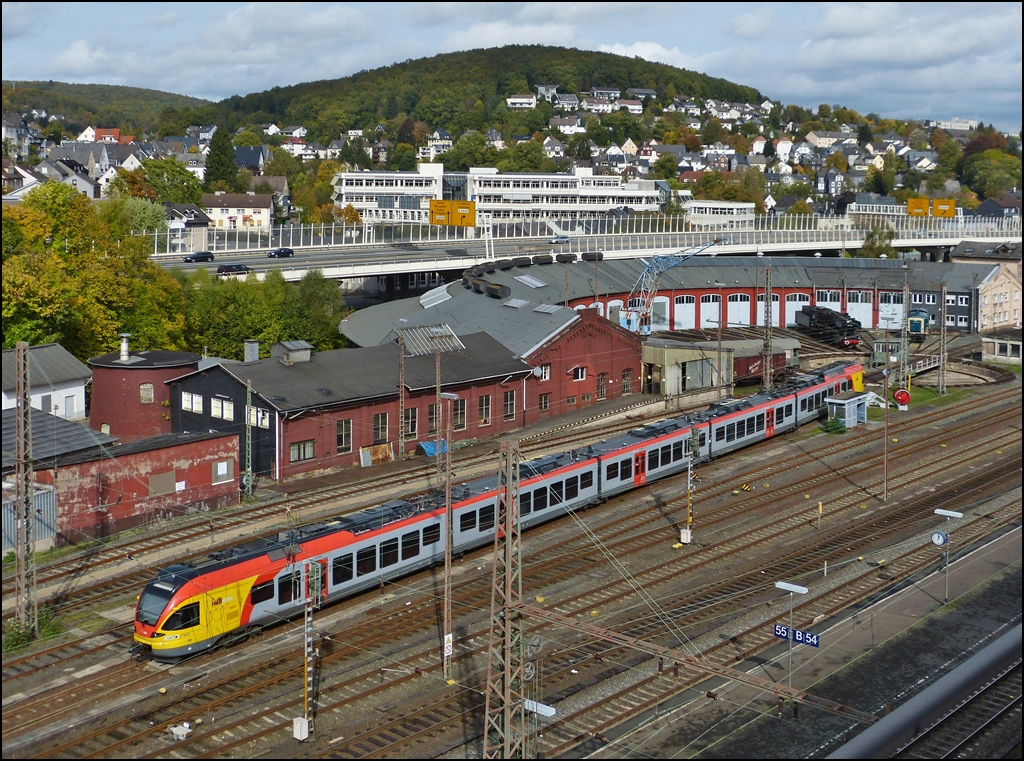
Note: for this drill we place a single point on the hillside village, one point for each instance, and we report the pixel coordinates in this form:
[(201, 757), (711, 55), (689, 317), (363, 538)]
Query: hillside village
[(807, 161)]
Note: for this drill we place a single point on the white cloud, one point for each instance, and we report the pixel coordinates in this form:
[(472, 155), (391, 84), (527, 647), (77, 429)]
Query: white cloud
[(754, 26), (21, 19), (655, 51)]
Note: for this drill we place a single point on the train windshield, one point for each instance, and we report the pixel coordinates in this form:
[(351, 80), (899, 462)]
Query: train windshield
[(153, 601)]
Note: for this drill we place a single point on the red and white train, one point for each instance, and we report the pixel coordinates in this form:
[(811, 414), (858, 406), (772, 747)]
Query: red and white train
[(192, 607)]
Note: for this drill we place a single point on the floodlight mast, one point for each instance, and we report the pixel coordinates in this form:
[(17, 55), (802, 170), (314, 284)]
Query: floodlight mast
[(641, 299)]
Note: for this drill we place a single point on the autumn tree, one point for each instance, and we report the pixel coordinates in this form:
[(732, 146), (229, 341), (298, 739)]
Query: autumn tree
[(172, 181)]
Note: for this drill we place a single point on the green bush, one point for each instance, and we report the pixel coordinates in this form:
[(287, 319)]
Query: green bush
[(17, 636), (834, 425)]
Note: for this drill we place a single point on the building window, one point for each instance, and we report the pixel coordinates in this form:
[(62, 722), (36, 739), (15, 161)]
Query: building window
[(432, 420), (961, 320), (579, 373), (545, 402), (963, 301), (223, 471), (380, 428), (570, 401), (545, 372), (950, 301), (259, 417), (300, 450), (930, 298), (586, 398), (602, 386), (627, 381), (344, 435), (510, 405), (191, 402), (410, 423), (223, 409), (459, 414), (146, 393), (484, 409)]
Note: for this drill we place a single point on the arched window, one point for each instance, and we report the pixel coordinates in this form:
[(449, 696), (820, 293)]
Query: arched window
[(146, 393), (627, 381)]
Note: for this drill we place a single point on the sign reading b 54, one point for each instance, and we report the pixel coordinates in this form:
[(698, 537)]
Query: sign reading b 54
[(453, 213), (798, 635)]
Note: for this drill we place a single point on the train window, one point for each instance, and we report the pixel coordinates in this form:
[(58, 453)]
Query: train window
[(677, 451), (803, 405), (289, 587), (557, 493), (432, 534), (779, 413), (789, 410), (388, 552), (261, 592), (652, 460), (184, 617), (572, 487), (467, 521), (586, 479), (486, 517), (366, 560), (760, 422), (410, 545), (666, 454), (626, 469), (612, 471), (730, 432), (525, 503), (845, 385), (540, 498), (720, 434), (341, 569)]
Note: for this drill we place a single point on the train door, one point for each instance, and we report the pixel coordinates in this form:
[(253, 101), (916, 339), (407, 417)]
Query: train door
[(769, 423), (317, 581), (639, 468)]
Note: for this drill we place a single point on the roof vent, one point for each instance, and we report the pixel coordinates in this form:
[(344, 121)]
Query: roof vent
[(124, 346)]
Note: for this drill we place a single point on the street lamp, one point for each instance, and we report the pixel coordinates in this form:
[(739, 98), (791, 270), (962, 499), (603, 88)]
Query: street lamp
[(792, 589), (941, 539)]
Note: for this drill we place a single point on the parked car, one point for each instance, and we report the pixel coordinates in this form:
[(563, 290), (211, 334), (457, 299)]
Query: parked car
[(200, 256), (558, 239), (233, 269), (279, 252)]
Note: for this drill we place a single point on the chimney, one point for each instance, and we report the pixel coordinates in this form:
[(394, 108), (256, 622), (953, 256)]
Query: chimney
[(252, 350), (124, 345)]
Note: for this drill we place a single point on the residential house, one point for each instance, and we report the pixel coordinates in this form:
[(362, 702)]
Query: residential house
[(635, 107), (439, 141), (784, 149), (797, 153), (830, 182), (279, 184), (521, 102), (596, 105), (15, 133), (642, 93), (354, 133), (567, 101), (270, 129), (605, 93), (296, 146), (194, 162), (554, 148), (70, 173), (57, 381), (495, 140), (547, 92), (757, 145), (18, 181), (629, 147), (187, 226), (88, 135), (1004, 206), (294, 130), (206, 133), (238, 210), (923, 161), (380, 151), (335, 147), (567, 125), (824, 139)]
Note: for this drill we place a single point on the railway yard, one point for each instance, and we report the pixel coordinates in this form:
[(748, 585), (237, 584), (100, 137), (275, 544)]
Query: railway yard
[(875, 598)]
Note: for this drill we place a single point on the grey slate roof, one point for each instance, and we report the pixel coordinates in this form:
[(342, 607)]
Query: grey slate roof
[(146, 358), (48, 364), (52, 437), (162, 441), (351, 375), (523, 329)]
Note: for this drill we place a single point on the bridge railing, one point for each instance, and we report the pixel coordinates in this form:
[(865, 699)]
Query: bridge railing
[(642, 231)]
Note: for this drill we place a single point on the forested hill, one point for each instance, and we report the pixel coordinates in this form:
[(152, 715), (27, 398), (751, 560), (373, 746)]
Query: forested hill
[(130, 108), (464, 90)]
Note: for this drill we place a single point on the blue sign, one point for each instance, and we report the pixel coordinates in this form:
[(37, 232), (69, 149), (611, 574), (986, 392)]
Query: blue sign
[(782, 632), (805, 638)]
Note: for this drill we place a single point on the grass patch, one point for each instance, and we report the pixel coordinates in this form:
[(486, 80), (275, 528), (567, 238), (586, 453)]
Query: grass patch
[(1016, 369), (18, 637), (739, 392)]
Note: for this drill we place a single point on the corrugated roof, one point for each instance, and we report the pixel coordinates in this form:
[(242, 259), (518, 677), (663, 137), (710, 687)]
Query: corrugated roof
[(52, 437), (420, 341), (48, 364)]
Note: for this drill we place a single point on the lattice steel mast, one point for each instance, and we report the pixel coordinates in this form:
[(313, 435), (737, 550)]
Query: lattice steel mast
[(766, 345), (27, 605)]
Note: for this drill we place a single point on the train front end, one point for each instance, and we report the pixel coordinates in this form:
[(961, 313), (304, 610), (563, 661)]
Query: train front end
[(169, 621)]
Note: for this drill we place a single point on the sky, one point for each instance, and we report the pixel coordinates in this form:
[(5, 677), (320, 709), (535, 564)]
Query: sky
[(900, 60)]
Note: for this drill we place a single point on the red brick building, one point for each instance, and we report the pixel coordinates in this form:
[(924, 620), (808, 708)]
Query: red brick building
[(99, 493), (129, 395)]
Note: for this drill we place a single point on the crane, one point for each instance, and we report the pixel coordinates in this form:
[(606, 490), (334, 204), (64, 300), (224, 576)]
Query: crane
[(641, 299)]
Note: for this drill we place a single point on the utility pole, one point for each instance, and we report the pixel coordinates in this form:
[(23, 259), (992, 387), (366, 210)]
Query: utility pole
[(449, 642), (401, 394), (438, 431), (27, 605), (721, 319), (314, 572), (686, 534), (766, 345), (505, 720), (941, 385), (249, 414)]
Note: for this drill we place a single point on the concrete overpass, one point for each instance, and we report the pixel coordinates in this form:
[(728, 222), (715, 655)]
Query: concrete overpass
[(343, 253)]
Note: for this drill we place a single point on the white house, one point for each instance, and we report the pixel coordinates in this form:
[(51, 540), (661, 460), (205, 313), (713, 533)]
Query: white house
[(568, 125), (633, 106), (294, 131), (596, 105), (521, 102), (57, 381), (547, 92), (239, 210), (88, 135)]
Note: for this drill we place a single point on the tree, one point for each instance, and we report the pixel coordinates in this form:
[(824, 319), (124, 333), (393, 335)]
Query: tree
[(403, 158), (666, 167), (878, 242), (172, 181), (220, 161), (133, 184), (350, 215), (800, 207), (991, 173), (124, 216), (710, 186), (864, 134), (713, 132), (838, 160), (55, 132), (522, 157), (247, 138)]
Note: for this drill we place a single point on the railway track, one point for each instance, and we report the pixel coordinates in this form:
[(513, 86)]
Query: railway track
[(425, 662), (955, 733)]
